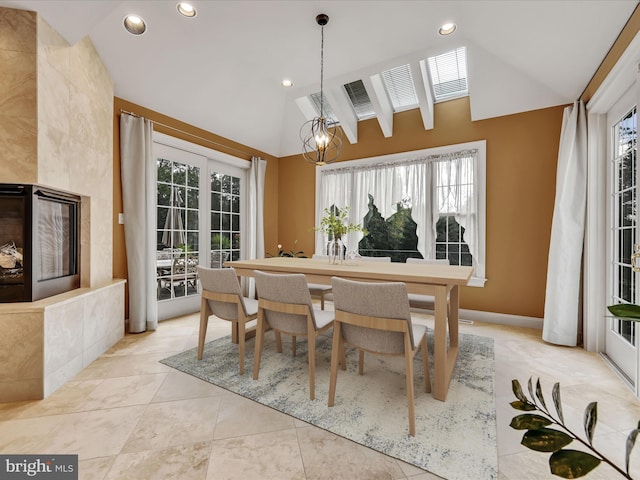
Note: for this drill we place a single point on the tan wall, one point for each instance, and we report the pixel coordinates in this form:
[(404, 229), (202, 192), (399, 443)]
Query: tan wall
[(55, 126), (194, 135), (521, 167), (18, 96)]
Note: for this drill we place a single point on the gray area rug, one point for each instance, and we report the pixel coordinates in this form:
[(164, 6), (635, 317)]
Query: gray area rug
[(455, 439)]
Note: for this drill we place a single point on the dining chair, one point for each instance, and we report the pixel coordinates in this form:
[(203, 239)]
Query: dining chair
[(318, 289), (284, 305), (418, 300), (222, 297), (375, 318)]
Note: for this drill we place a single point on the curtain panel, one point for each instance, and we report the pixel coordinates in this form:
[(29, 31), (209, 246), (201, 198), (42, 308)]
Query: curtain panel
[(138, 175), (431, 185), (562, 300)]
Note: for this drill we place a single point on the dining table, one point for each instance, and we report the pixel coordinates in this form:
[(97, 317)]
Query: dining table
[(439, 280)]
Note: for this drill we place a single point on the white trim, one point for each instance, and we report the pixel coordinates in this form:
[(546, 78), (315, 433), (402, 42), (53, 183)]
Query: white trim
[(480, 146), (496, 318), (174, 142)]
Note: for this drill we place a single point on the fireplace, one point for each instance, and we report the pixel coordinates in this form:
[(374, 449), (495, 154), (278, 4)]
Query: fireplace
[(39, 242)]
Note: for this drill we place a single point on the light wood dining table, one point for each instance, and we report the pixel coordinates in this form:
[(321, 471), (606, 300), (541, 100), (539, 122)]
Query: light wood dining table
[(441, 281)]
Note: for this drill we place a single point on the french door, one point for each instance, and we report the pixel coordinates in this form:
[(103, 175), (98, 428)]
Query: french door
[(621, 336), (200, 212)]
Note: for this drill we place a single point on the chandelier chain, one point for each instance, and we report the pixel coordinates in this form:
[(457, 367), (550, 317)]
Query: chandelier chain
[(322, 71)]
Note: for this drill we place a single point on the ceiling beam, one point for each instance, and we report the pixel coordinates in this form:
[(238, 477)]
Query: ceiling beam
[(422, 84), (381, 103), (341, 106)]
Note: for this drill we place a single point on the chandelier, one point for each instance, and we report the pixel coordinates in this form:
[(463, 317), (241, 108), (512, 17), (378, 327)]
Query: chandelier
[(321, 142)]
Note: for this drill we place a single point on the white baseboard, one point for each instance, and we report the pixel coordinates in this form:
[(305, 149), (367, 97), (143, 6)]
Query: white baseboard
[(501, 318)]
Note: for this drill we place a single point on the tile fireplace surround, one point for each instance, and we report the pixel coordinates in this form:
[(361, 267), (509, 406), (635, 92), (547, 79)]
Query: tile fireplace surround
[(45, 343)]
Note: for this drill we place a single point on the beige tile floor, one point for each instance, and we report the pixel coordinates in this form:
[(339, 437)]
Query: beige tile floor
[(129, 417)]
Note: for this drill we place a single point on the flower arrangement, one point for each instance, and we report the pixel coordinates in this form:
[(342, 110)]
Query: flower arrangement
[(334, 223)]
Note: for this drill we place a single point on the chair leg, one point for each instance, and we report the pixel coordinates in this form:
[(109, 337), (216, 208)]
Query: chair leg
[(260, 328), (241, 339), (311, 339), (336, 347), (425, 364), (343, 358), (278, 341), (204, 321), (361, 362), (293, 345), (322, 301), (408, 360)]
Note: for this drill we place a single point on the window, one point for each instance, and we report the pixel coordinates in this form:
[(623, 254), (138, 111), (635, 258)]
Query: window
[(449, 74), (425, 204), (326, 108), (225, 219), (360, 100), (399, 84)]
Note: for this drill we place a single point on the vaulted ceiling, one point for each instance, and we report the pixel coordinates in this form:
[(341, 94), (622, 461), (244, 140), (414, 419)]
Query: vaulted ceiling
[(221, 70)]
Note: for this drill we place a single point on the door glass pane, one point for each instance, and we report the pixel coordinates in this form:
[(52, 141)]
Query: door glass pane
[(625, 134), (177, 229), (225, 218)]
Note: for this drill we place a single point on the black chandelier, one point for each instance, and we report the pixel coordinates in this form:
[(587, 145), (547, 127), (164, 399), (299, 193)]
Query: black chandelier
[(321, 142)]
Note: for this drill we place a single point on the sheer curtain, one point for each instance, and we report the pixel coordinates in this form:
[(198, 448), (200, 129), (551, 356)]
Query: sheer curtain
[(255, 223), (138, 174), (562, 301), (430, 185), (456, 194)]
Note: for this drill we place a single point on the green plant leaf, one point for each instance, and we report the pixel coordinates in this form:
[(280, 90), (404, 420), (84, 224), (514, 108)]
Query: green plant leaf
[(625, 310), (556, 401), (517, 391), (590, 420), (631, 441), (527, 407), (529, 422), (539, 394), (545, 440), (531, 388), (572, 463)]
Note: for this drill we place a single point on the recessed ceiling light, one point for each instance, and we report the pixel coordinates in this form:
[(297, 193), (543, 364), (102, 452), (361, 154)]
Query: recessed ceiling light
[(186, 9), (447, 29), (286, 83), (134, 24)]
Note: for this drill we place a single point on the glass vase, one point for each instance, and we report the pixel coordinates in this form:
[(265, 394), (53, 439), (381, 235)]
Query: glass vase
[(335, 250)]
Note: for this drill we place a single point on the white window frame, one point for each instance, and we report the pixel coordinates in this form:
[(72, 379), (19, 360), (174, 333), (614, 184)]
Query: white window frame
[(220, 162), (479, 277)]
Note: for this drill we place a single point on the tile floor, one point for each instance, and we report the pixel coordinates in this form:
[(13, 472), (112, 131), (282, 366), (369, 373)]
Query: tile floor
[(129, 417)]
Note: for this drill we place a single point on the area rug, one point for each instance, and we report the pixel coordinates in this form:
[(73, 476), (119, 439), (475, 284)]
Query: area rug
[(455, 439)]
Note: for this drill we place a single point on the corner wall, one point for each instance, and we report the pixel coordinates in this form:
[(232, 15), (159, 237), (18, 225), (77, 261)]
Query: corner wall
[(522, 152)]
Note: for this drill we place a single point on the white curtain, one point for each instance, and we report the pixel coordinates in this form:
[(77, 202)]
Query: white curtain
[(138, 174), (457, 194), (562, 301), (255, 226), (432, 185)]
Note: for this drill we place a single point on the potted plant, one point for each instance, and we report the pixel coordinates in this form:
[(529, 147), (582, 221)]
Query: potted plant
[(335, 224)]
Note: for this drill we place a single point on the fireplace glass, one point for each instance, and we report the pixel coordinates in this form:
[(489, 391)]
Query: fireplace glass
[(39, 242)]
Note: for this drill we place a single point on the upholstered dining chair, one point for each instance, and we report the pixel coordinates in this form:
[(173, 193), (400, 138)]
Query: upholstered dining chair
[(284, 305), (318, 289), (375, 318), (222, 297), (418, 300)]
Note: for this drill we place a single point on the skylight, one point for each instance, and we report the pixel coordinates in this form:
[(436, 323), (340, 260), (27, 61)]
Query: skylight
[(360, 100), (327, 110), (399, 84), (449, 74)]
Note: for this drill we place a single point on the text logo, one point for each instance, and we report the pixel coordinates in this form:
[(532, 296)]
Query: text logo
[(50, 467)]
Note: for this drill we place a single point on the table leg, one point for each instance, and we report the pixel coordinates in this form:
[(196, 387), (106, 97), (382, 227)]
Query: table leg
[(440, 383)]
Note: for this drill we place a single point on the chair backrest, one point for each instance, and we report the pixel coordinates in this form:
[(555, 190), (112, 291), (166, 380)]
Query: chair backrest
[(375, 259), (380, 300), (222, 280), (429, 261), (285, 289)]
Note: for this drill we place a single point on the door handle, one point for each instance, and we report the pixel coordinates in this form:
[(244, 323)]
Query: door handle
[(635, 255)]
